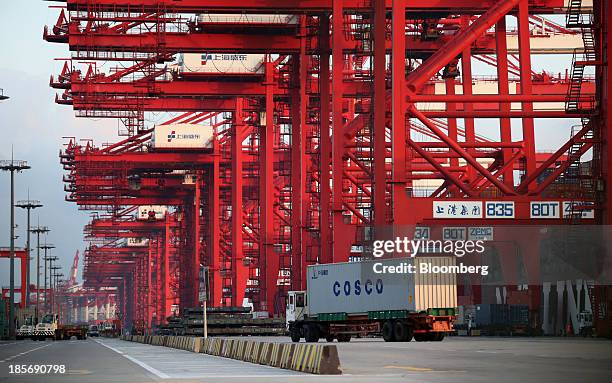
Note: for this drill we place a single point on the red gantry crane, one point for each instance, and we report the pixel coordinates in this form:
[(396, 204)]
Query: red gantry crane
[(358, 114)]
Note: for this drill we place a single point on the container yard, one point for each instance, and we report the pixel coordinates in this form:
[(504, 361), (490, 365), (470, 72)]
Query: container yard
[(290, 191)]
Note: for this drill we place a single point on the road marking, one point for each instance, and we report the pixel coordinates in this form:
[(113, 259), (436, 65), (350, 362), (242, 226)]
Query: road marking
[(78, 372), (422, 369), (152, 370), (24, 353), (410, 368)]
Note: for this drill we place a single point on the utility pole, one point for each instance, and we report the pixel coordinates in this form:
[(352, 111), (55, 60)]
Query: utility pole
[(47, 259), (53, 274), (28, 204), (12, 166), (38, 230), (56, 282), (2, 96)]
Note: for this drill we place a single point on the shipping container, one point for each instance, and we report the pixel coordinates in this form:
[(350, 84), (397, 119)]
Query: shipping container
[(492, 315), (183, 136), (355, 287), (519, 315), (220, 63), (147, 212), (389, 297)]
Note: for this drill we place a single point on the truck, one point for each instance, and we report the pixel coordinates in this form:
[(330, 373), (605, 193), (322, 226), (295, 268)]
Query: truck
[(50, 328), (25, 331), (349, 299)]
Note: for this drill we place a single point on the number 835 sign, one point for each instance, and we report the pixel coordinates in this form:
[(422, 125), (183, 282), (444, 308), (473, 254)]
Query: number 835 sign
[(499, 209)]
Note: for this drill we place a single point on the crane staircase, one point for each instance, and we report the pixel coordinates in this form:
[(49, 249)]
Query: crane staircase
[(585, 106)]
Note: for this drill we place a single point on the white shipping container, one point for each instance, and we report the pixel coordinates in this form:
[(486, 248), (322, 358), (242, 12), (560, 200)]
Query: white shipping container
[(183, 136), (244, 18), (219, 63), (146, 212), (354, 287)]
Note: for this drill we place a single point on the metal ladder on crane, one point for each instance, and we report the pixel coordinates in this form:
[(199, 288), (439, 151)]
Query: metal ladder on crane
[(576, 103)]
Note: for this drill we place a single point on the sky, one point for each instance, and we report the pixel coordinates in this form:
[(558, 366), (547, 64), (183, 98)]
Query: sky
[(36, 127)]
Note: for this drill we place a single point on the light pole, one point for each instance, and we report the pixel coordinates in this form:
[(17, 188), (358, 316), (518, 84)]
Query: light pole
[(12, 166), (48, 259), (53, 273), (28, 205), (38, 230), (54, 300)]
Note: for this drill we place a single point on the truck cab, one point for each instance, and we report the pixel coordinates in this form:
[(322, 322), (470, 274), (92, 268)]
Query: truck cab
[(46, 328), (26, 330), (93, 331), (297, 307)]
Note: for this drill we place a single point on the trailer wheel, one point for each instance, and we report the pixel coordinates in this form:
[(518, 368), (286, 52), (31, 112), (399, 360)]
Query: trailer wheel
[(387, 331), (311, 333), (330, 338), (344, 338), (295, 335), (438, 337), (402, 332), (421, 337)]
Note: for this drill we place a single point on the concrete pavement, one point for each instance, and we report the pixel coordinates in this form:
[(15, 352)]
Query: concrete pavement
[(456, 359)]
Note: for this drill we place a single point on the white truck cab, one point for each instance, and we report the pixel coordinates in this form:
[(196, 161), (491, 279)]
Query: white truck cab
[(46, 328), (297, 307)]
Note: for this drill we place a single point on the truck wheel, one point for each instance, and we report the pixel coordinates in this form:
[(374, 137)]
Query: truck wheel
[(387, 332), (295, 335), (421, 337), (344, 338), (402, 332), (438, 337), (330, 338), (311, 333)]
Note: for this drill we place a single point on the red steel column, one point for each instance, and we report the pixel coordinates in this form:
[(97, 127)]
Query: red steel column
[(606, 102), (379, 112), (159, 297), (466, 77), (325, 144), (239, 271), (195, 272), (166, 305), (398, 112), (525, 70), (503, 90), (214, 275), (338, 251), (449, 83), (149, 297), (266, 189), (298, 179)]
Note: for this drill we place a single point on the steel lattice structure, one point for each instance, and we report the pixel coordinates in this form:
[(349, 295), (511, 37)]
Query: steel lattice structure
[(365, 114)]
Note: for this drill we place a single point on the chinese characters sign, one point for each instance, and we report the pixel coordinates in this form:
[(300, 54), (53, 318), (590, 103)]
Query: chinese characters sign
[(457, 209)]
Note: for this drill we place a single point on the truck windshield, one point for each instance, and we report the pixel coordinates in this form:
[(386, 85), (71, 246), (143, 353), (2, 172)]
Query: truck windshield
[(48, 319), (299, 300)]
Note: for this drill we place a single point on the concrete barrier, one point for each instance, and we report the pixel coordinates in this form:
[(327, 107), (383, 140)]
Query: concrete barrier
[(316, 359), (310, 358)]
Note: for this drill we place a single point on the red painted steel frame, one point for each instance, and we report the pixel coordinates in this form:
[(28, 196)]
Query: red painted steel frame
[(21, 255), (307, 154)]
